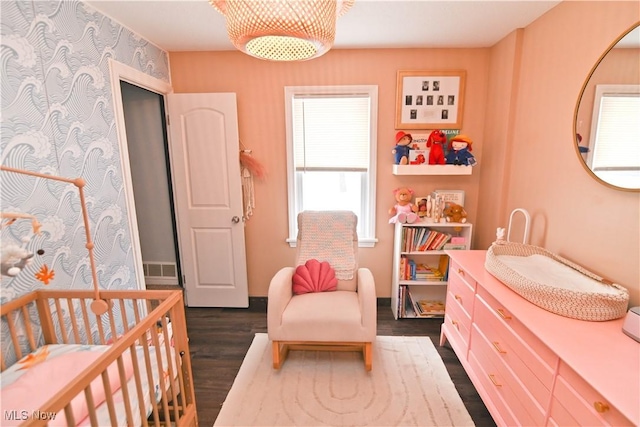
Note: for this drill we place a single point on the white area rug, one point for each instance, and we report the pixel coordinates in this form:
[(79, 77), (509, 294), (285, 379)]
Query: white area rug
[(408, 386)]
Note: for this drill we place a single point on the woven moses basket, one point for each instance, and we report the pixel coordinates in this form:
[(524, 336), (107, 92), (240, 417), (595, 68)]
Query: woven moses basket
[(574, 303)]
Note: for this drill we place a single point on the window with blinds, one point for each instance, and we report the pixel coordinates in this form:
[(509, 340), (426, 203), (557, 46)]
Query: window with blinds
[(331, 145), (615, 145)]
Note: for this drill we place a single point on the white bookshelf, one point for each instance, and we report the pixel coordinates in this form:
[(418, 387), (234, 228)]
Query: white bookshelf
[(432, 290)]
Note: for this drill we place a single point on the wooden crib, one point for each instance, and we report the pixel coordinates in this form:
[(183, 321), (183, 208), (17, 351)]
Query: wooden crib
[(141, 374)]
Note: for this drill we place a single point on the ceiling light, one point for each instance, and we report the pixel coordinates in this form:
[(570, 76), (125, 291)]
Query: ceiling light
[(282, 30)]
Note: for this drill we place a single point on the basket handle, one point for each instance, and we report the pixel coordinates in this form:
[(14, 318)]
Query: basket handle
[(527, 220)]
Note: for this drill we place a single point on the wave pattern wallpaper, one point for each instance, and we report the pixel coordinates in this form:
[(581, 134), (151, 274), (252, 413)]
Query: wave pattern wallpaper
[(58, 118)]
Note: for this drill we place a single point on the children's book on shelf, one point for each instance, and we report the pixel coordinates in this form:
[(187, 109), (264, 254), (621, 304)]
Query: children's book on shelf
[(426, 308), (420, 239), (411, 270), (409, 306)]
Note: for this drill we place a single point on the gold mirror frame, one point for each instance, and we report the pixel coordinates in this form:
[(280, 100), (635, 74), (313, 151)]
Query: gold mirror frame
[(576, 143)]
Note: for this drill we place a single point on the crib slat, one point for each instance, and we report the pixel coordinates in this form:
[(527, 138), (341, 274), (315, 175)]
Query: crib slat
[(161, 379), (87, 325), (125, 388), (112, 323), (72, 318), (137, 377), (100, 328), (28, 327), (63, 328), (68, 413), (46, 320), (147, 361), (14, 335), (91, 406), (170, 357), (108, 396), (123, 312)]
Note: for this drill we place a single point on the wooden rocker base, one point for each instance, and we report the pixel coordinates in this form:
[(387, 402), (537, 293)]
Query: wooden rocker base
[(281, 349)]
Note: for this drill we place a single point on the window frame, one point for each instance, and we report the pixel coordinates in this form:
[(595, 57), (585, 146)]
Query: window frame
[(371, 91), (601, 91)]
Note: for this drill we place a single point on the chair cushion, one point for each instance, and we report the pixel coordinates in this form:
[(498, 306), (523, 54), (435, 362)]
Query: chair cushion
[(314, 276), (323, 316)]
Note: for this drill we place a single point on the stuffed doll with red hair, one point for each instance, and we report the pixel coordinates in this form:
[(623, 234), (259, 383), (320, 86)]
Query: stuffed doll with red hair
[(436, 141), (459, 151)]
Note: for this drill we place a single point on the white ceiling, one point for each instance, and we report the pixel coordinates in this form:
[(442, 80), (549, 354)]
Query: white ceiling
[(194, 25)]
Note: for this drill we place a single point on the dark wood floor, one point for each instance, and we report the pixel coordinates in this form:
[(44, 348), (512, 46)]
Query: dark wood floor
[(220, 337)]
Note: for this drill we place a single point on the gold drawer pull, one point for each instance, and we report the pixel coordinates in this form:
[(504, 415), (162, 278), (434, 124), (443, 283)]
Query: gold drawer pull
[(601, 407), (494, 381), (496, 344), (455, 323), (461, 272), (503, 314), (458, 297)]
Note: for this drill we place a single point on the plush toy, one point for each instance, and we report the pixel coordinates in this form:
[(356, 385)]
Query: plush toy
[(436, 141), (14, 259), (455, 213), (401, 150), (404, 210), (459, 151)]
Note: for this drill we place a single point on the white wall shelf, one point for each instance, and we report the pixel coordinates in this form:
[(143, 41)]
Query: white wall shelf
[(431, 170)]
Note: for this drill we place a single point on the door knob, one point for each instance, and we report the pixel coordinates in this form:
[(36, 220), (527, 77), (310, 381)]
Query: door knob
[(235, 220)]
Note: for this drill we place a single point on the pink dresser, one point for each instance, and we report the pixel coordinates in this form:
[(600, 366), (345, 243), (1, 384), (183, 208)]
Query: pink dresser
[(532, 367)]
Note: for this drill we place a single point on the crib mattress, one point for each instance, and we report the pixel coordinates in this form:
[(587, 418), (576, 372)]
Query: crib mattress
[(17, 378)]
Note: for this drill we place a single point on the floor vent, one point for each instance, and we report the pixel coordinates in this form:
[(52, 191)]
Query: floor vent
[(160, 273)]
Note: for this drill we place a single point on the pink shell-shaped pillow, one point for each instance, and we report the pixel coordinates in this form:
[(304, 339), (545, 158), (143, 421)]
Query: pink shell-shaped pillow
[(314, 276)]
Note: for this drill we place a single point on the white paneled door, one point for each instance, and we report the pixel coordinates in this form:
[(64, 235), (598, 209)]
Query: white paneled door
[(204, 151)]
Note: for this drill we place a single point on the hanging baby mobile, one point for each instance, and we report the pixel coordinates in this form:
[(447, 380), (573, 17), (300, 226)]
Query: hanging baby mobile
[(16, 257)]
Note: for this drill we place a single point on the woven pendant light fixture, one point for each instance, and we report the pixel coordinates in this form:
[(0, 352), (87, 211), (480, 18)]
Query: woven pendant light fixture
[(282, 30)]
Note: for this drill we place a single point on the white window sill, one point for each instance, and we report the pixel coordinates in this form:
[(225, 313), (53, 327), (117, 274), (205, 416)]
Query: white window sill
[(362, 243)]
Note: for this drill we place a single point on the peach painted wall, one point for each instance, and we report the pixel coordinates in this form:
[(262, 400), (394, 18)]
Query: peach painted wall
[(520, 100), (572, 214), (260, 92), (501, 102)]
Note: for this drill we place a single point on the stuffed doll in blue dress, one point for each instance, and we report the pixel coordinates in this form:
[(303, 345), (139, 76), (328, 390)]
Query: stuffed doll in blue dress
[(460, 151)]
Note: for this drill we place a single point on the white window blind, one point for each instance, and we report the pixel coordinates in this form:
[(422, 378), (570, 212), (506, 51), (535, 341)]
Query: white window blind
[(331, 132), (331, 153), (617, 139)]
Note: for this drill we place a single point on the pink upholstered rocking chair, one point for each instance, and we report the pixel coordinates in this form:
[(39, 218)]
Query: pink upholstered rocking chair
[(340, 320)]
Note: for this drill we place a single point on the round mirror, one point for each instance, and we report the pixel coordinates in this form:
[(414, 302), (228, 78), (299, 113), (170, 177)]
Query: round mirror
[(607, 116)]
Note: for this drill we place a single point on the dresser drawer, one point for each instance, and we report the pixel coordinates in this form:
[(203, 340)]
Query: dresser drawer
[(455, 270), (457, 318), (525, 407), (584, 403), (535, 355), (462, 292), (488, 387), (521, 358)]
